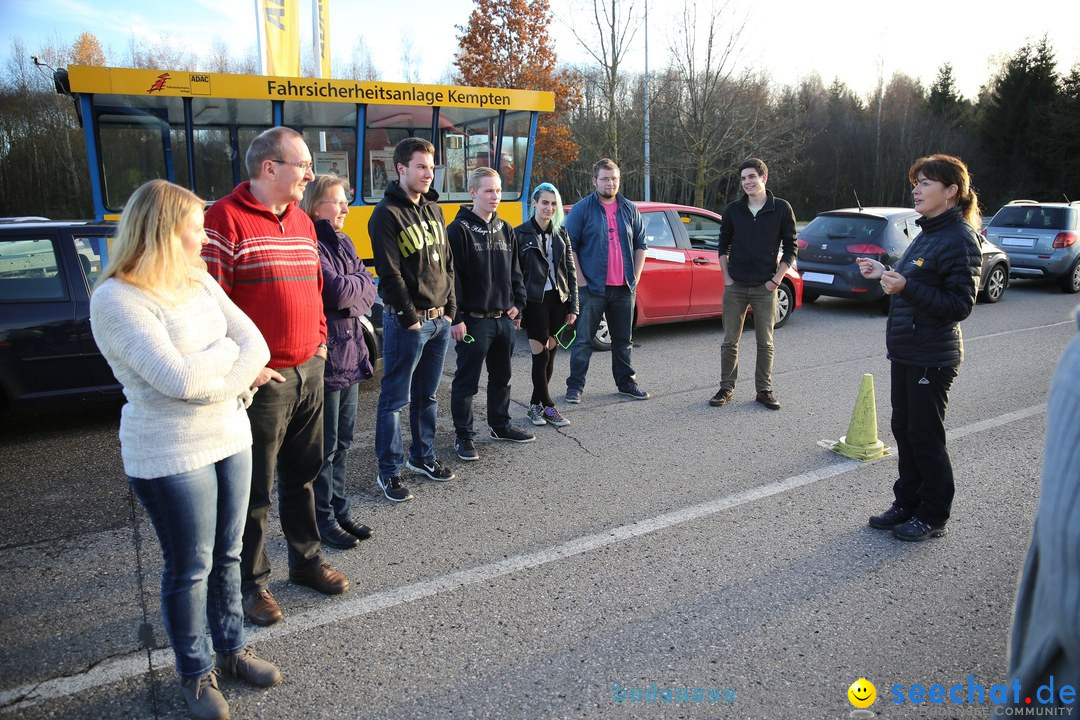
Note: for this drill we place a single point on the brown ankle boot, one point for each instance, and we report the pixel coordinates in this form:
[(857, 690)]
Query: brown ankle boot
[(204, 700), (248, 667)]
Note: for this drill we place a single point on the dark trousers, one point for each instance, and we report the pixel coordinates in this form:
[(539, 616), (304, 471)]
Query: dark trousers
[(493, 342), (287, 433), (919, 398)]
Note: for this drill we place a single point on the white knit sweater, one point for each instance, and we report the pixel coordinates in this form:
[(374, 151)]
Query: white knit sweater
[(186, 370)]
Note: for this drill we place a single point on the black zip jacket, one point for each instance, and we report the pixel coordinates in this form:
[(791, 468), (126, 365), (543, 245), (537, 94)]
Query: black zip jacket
[(940, 267), (753, 242), (534, 264), (487, 274), (412, 256)]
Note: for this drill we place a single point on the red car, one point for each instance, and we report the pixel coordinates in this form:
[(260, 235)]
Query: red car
[(682, 279)]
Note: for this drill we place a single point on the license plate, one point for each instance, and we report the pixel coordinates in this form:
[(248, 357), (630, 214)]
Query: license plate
[(1022, 242), (824, 278)]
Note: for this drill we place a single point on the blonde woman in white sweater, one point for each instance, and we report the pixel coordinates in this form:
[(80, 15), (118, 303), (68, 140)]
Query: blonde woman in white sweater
[(187, 358)]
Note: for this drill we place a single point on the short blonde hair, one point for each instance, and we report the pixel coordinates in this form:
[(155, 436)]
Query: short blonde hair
[(146, 251), (316, 191), (480, 172)]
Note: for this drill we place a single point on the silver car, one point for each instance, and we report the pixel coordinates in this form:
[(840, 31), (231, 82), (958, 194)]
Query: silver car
[(1040, 240)]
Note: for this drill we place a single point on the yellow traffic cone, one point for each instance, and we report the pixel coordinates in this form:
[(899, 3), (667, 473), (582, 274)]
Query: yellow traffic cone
[(861, 441)]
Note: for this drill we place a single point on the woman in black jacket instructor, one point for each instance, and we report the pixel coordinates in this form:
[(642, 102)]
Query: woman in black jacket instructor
[(932, 289)]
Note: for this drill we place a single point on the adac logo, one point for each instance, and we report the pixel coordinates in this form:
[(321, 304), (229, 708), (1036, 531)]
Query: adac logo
[(159, 84)]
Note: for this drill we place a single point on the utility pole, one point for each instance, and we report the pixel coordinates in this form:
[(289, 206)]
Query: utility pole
[(648, 162)]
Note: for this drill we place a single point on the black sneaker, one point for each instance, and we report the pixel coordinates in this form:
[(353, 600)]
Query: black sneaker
[(512, 434), (393, 488), (889, 519), (573, 396), (917, 530), (631, 389), (434, 469), (466, 449)]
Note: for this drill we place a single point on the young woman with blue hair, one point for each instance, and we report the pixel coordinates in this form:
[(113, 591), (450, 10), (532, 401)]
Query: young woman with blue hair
[(547, 264)]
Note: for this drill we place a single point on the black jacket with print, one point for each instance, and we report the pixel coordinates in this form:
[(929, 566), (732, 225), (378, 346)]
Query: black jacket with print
[(487, 273), (412, 256)]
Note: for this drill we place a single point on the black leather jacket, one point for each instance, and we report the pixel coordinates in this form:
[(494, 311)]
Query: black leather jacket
[(534, 266), (940, 267)]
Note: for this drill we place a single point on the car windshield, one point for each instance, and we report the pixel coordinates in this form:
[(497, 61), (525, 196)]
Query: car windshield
[(835, 227), (1036, 217)]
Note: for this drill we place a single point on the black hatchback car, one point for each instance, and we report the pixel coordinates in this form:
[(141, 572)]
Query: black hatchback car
[(830, 244), (47, 352)]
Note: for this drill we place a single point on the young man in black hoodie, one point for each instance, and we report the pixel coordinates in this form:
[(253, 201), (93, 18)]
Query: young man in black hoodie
[(416, 282), (491, 294)]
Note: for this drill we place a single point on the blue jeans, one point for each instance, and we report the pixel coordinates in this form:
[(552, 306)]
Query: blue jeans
[(339, 422), (617, 303), (412, 369), (199, 518)]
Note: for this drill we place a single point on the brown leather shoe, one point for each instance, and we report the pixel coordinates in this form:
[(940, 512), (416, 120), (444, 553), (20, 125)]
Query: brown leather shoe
[(323, 578), (722, 397), (766, 398), (261, 608)]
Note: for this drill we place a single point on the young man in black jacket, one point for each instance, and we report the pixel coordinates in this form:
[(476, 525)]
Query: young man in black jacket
[(751, 235), (416, 282), (491, 295)]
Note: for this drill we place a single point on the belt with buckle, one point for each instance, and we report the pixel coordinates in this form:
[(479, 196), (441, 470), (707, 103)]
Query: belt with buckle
[(430, 313), (496, 314)]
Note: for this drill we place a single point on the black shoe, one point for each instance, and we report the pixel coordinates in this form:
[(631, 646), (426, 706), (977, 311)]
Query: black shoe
[(631, 389), (393, 488), (766, 398), (889, 519), (336, 537), (512, 434), (466, 449), (573, 395), (917, 530), (722, 397), (434, 469), (362, 532)]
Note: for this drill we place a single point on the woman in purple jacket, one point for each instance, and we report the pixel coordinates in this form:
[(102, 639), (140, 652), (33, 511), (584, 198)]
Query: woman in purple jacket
[(348, 293)]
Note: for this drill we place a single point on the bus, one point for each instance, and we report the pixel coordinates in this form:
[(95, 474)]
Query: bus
[(193, 128)]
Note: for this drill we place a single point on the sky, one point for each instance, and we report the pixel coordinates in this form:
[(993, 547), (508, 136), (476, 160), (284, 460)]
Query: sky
[(853, 40)]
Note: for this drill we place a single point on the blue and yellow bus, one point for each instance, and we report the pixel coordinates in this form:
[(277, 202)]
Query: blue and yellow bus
[(193, 128)]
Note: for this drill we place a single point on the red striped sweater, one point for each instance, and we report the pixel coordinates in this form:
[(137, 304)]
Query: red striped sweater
[(269, 267)]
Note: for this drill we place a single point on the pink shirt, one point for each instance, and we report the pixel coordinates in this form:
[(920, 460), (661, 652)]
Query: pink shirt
[(615, 275)]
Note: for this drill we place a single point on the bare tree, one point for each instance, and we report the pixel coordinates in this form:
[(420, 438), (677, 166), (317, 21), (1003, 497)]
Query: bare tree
[(616, 24), (361, 64), (410, 61)]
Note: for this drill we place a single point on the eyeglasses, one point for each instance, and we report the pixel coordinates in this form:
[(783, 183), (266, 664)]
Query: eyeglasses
[(305, 166), (339, 203)]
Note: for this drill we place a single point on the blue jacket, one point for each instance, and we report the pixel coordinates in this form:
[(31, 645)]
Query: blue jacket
[(348, 293), (587, 225)]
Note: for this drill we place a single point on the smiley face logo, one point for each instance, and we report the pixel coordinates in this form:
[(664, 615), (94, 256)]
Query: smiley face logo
[(862, 693)]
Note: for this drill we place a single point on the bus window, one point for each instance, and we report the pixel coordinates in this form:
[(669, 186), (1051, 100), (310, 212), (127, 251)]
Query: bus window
[(387, 125), (214, 154), (330, 133), (515, 148), (465, 139), (135, 140)]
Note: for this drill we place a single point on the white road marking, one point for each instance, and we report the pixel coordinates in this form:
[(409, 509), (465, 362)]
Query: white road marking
[(135, 664)]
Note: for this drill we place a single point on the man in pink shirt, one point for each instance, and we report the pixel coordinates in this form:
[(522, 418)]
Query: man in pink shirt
[(608, 239)]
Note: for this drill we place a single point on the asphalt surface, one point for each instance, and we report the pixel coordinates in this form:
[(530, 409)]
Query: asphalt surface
[(649, 546)]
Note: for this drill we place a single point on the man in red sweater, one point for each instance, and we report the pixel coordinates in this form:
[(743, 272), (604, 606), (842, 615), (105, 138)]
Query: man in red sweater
[(263, 253)]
